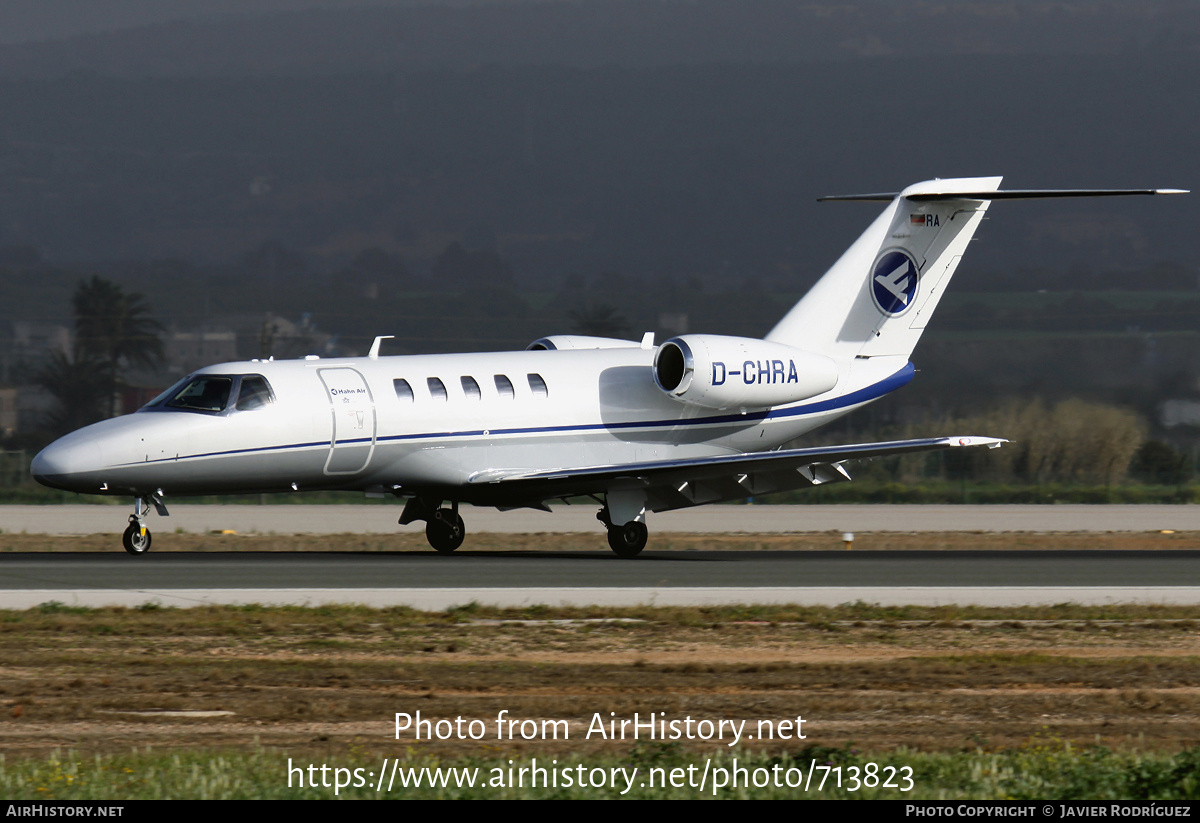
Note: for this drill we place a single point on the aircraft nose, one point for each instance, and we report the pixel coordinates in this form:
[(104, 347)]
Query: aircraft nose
[(61, 462)]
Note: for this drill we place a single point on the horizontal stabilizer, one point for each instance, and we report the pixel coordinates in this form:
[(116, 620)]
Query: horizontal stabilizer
[(1007, 194)]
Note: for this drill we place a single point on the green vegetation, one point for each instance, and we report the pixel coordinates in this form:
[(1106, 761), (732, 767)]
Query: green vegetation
[(948, 491), (1043, 769)]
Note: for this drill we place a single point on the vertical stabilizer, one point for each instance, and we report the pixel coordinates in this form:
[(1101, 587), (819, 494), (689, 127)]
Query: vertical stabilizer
[(878, 297)]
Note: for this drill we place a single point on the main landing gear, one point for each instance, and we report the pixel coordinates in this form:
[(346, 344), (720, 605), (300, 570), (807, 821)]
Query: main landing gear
[(444, 528), (445, 531), (626, 540)]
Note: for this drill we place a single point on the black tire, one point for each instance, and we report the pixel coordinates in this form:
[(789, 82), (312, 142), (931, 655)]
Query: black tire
[(445, 531), (628, 540), (136, 540)]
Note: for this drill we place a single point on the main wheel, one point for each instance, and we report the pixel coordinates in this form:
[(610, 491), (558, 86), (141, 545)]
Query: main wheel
[(445, 531), (136, 539), (628, 540)]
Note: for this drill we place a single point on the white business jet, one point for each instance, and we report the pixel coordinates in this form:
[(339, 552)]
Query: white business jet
[(633, 426)]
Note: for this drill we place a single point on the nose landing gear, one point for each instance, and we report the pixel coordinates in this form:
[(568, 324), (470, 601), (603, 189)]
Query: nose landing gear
[(136, 538)]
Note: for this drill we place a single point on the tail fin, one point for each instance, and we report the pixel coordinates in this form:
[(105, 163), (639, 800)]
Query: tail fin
[(877, 299)]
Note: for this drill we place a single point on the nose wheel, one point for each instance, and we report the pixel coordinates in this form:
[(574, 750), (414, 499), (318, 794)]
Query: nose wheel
[(136, 538)]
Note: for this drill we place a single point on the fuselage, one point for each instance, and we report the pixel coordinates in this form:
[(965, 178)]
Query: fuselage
[(426, 423)]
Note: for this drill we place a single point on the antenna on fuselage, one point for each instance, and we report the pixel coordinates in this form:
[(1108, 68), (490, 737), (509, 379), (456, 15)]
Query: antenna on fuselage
[(374, 352)]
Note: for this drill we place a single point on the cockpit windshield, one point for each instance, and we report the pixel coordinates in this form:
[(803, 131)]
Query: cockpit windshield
[(205, 392), (212, 393)]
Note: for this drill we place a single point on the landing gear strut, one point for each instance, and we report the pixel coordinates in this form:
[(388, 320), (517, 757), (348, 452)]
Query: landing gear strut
[(628, 539)]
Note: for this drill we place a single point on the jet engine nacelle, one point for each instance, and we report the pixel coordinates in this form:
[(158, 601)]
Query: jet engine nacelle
[(720, 372), (567, 342)]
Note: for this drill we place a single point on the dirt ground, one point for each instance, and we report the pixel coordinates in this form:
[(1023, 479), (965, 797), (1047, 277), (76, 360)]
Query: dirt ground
[(327, 681), (586, 541)]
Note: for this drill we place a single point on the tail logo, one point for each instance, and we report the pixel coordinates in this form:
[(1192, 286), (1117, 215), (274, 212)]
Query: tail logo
[(894, 282)]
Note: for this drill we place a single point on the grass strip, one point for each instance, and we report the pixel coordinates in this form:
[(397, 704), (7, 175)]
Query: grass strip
[(1043, 769)]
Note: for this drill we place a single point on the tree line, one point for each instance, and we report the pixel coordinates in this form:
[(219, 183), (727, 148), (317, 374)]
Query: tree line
[(113, 332), (1071, 442)]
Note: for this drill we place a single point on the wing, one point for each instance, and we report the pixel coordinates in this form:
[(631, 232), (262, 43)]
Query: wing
[(677, 484)]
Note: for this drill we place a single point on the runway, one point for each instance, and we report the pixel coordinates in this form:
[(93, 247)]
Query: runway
[(757, 519), (428, 581)]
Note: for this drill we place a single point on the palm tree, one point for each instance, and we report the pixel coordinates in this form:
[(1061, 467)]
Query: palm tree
[(114, 330), (79, 387)]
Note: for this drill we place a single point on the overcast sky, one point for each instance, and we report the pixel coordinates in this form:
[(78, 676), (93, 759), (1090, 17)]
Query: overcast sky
[(25, 20)]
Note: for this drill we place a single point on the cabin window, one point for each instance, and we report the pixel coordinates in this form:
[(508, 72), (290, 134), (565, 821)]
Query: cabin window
[(470, 387), (204, 392), (255, 393), (504, 386), (538, 386), (403, 390), (437, 389)]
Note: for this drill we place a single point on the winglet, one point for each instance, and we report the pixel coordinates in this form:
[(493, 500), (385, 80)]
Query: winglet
[(990, 442)]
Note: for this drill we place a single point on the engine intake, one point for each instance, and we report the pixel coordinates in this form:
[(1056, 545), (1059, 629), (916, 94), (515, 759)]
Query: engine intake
[(720, 372)]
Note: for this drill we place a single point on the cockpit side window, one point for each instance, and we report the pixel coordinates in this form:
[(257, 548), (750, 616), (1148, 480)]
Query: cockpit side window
[(255, 393), (204, 392)]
